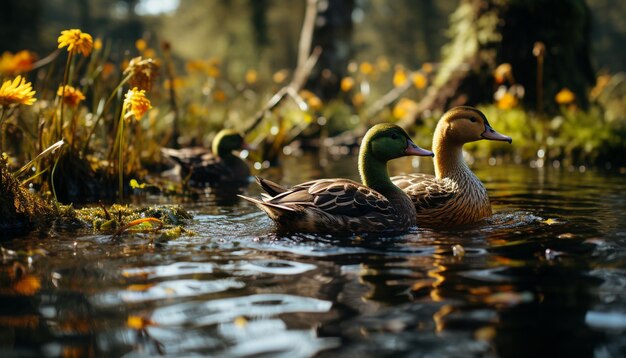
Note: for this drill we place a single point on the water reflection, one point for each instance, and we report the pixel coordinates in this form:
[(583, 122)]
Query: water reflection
[(544, 276)]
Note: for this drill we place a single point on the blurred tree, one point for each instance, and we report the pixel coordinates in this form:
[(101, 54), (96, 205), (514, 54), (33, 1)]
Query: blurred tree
[(20, 23), (333, 33), (486, 33)]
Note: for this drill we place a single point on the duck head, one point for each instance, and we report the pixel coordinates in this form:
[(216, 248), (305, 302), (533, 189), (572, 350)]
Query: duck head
[(388, 141), (466, 124), (382, 143), (226, 141)]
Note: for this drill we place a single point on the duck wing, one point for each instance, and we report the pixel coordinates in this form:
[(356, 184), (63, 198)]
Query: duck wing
[(335, 197), (426, 191)]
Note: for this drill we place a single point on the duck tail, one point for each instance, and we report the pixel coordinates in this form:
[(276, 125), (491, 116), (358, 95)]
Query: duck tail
[(274, 211), (270, 187)]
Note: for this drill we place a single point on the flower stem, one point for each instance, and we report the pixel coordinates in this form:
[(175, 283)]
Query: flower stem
[(2, 129), (120, 139), (104, 110), (66, 78)]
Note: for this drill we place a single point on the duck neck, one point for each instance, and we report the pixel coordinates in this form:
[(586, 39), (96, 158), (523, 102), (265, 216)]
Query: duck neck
[(374, 174), (449, 162)]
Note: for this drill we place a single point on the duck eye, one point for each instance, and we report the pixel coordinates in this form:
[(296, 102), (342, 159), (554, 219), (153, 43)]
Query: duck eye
[(394, 136), (473, 120)]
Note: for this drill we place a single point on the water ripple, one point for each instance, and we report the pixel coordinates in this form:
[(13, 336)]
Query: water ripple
[(226, 310)]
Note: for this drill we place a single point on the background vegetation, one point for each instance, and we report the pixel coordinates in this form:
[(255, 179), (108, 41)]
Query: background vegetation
[(556, 87)]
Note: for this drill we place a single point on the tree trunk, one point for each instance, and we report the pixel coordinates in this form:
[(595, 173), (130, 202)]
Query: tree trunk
[(486, 33), (333, 33)]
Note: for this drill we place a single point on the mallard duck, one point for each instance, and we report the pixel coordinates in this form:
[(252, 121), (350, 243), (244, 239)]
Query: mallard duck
[(454, 196), (220, 166), (344, 206)]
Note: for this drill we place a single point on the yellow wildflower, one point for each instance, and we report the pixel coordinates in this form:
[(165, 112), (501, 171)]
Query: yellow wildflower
[(21, 62), (144, 72), (136, 101), (404, 107), (141, 45), (506, 101), (280, 76), (71, 96), (17, 91), (76, 41), (306, 94), (419, 80), (565, 96), (399, 77), (251, 77), (347, 83), (358, 99), (149, 53), (314, 102), (97, 44), (366, 68)]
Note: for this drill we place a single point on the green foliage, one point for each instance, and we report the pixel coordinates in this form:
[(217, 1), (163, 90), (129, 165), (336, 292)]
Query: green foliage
[(573, 137)]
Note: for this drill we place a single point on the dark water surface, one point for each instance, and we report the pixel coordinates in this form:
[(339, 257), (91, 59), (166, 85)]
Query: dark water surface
[(545, 276)]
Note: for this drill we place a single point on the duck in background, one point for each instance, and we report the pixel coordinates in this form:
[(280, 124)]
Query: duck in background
[(454, 195), (201, 168), (343, 206)]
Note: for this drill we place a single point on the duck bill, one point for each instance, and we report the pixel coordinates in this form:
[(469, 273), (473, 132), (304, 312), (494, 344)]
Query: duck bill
[(413, 149), (491, 134)]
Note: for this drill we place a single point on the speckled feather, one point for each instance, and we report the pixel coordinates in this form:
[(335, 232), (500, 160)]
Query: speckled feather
[(333, 206), (442, 202)]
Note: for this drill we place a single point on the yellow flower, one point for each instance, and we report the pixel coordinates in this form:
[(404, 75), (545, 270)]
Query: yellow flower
[(141, 45), (251, 77), (404, 107), (358, 99), (21, 62), (144, 72), (280, 76), (97, 44), (17, 91), (136, 101), (76, 41), (565, 96), (314, 102), (399, 77), (506, 101), (366, 68), (347, 83), (419, 80), (71, 96)]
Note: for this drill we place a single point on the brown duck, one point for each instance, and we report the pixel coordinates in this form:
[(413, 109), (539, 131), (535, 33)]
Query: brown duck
[(455, 195)]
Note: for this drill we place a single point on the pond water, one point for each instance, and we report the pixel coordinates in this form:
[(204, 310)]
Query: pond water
[(545, 276)]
